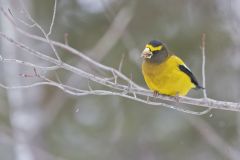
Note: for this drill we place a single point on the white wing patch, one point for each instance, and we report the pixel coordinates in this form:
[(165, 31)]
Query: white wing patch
[(187, 67)]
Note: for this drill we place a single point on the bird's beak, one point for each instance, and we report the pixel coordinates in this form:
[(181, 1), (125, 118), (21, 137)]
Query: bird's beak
[(146, 53)]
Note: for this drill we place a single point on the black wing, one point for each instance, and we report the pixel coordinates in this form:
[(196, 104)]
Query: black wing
[(190, 74)]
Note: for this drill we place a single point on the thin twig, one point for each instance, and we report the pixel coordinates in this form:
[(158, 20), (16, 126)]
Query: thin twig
[(118, 89), (57, 77), (20, 20), (71, 50), (53, 18), (130, 86), (98, 92), (10, 60), (115, 77), (204, 69), (121, 63), (27, 14), (89, 86), (138, 90), (203, 66), (66, 39)]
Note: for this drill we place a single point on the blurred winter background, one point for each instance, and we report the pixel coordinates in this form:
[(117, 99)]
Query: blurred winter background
[(44, 123)]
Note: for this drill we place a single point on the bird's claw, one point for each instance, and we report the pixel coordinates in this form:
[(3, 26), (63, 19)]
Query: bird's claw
[(177, 98), (155, 94)]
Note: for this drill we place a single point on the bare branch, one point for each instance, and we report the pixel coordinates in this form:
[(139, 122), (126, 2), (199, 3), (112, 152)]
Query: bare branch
[(203, 69), (127, 88), (136, 89), (21, 21), (121, 63), (27, 14), (73, 51), (53, 18), (203, 66), (9, 60), (66, 38)]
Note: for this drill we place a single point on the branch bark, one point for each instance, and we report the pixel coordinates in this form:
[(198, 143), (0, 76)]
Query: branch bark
[(127, 88)]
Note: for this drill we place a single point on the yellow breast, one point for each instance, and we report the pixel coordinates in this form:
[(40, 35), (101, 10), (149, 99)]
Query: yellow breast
[(167, 78)]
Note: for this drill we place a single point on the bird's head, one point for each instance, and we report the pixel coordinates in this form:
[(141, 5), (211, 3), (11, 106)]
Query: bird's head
[(155, 51)]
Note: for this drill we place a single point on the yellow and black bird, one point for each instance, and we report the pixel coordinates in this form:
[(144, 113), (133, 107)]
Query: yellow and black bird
[(165, 73)]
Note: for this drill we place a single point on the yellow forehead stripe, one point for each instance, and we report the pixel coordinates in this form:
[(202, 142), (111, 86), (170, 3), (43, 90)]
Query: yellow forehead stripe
[(152, 48)]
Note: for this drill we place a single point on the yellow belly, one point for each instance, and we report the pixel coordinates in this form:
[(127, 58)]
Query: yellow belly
[(167, 78)]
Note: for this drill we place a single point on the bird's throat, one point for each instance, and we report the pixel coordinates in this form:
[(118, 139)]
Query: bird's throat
[(158, 57)]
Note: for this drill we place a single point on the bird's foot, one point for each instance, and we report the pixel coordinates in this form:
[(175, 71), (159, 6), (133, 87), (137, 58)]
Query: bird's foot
[(177, 98), (155, 94)]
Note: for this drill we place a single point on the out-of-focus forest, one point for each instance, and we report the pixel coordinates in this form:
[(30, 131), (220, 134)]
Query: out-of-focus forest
[(45, 123)]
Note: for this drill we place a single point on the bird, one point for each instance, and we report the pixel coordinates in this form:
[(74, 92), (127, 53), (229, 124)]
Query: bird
[(165, 73)]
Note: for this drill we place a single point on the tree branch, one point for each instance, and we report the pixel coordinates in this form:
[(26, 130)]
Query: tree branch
[(127, 88), (203, 66), (46, 35)]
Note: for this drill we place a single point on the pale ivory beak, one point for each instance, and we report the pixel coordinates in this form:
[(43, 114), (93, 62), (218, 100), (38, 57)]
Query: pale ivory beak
[(146, 53)]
